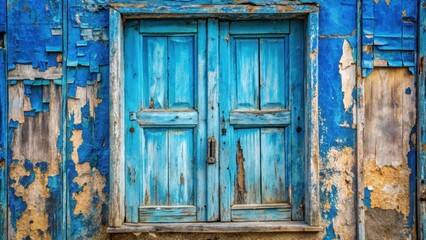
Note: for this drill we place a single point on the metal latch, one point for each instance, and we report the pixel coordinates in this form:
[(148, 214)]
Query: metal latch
[(211, 151), (132, 116)]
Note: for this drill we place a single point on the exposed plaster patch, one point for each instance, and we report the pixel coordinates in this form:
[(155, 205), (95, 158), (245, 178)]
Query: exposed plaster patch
[(339, 174), (26, 71), (347, 72), (88, 178), (389, 186), (90, 198), (380, 226)]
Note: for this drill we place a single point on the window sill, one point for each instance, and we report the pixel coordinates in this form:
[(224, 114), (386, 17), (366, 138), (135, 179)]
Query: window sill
[(215, 227)]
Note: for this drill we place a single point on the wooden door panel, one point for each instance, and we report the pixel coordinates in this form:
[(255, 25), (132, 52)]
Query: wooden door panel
[(274, 87), (257, 118), (272, 157), (181, 72), (166, 121), (155, 168), (155, 70), (247, 73)]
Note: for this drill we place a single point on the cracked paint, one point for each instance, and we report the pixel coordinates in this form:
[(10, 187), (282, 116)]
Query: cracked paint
[(339, 188)]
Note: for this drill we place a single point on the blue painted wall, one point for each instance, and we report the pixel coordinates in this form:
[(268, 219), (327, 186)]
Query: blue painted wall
[(58, 119)]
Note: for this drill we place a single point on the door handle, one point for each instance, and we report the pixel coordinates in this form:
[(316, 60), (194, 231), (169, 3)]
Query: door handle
[(211, 150)]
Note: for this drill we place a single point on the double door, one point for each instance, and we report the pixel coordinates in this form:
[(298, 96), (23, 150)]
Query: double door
[(214, 120)]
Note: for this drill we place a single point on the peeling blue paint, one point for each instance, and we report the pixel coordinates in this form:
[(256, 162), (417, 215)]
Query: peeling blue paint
[(3, 131), (27, 180), (390, 31), (367, 198), (35, 37), (17, 206), (41, 20), (412, 164)]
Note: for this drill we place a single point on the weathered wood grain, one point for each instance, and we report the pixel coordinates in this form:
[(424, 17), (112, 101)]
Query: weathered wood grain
[(216, 227), (241, 119), (168, 214), (185, 118), (133, 150), (117, 180), (213, 116)]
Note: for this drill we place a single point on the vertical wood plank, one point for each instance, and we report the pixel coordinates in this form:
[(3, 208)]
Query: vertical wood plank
[(155, 179), (212, 120), (247, 183), (181, 167), (273, 169), (133, 140), (117, 181), (421, 130), (312, 204), (181, 71), (247, 73), (155, 72), (296, 158), (273, 87), (226, 83), (3, 146), (201, 130)]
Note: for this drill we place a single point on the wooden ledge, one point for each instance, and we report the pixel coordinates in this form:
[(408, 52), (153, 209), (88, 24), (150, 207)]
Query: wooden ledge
[(216, 227)]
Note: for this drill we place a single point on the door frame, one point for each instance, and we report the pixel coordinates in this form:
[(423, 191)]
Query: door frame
[(119, 12)]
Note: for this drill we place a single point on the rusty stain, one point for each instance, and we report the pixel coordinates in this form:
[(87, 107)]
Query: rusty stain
[(422, 65), (182, 179), (313, 54), (146, 198), (151, 103), (368, 49), (240, 183), (59, 58)]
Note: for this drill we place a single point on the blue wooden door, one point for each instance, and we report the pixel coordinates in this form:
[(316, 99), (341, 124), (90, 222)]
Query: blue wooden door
[(259, 110), (165, 113), (262, 120)]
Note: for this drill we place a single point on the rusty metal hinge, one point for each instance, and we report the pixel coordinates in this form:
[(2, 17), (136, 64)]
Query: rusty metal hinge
[(211, 150)]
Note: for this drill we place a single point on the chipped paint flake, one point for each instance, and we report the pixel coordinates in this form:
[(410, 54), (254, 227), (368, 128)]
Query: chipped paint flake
[(348, 75), (83, 96)]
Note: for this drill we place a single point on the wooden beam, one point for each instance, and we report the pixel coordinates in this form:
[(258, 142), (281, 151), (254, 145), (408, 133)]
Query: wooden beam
[(117, 188), (217, 227)]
